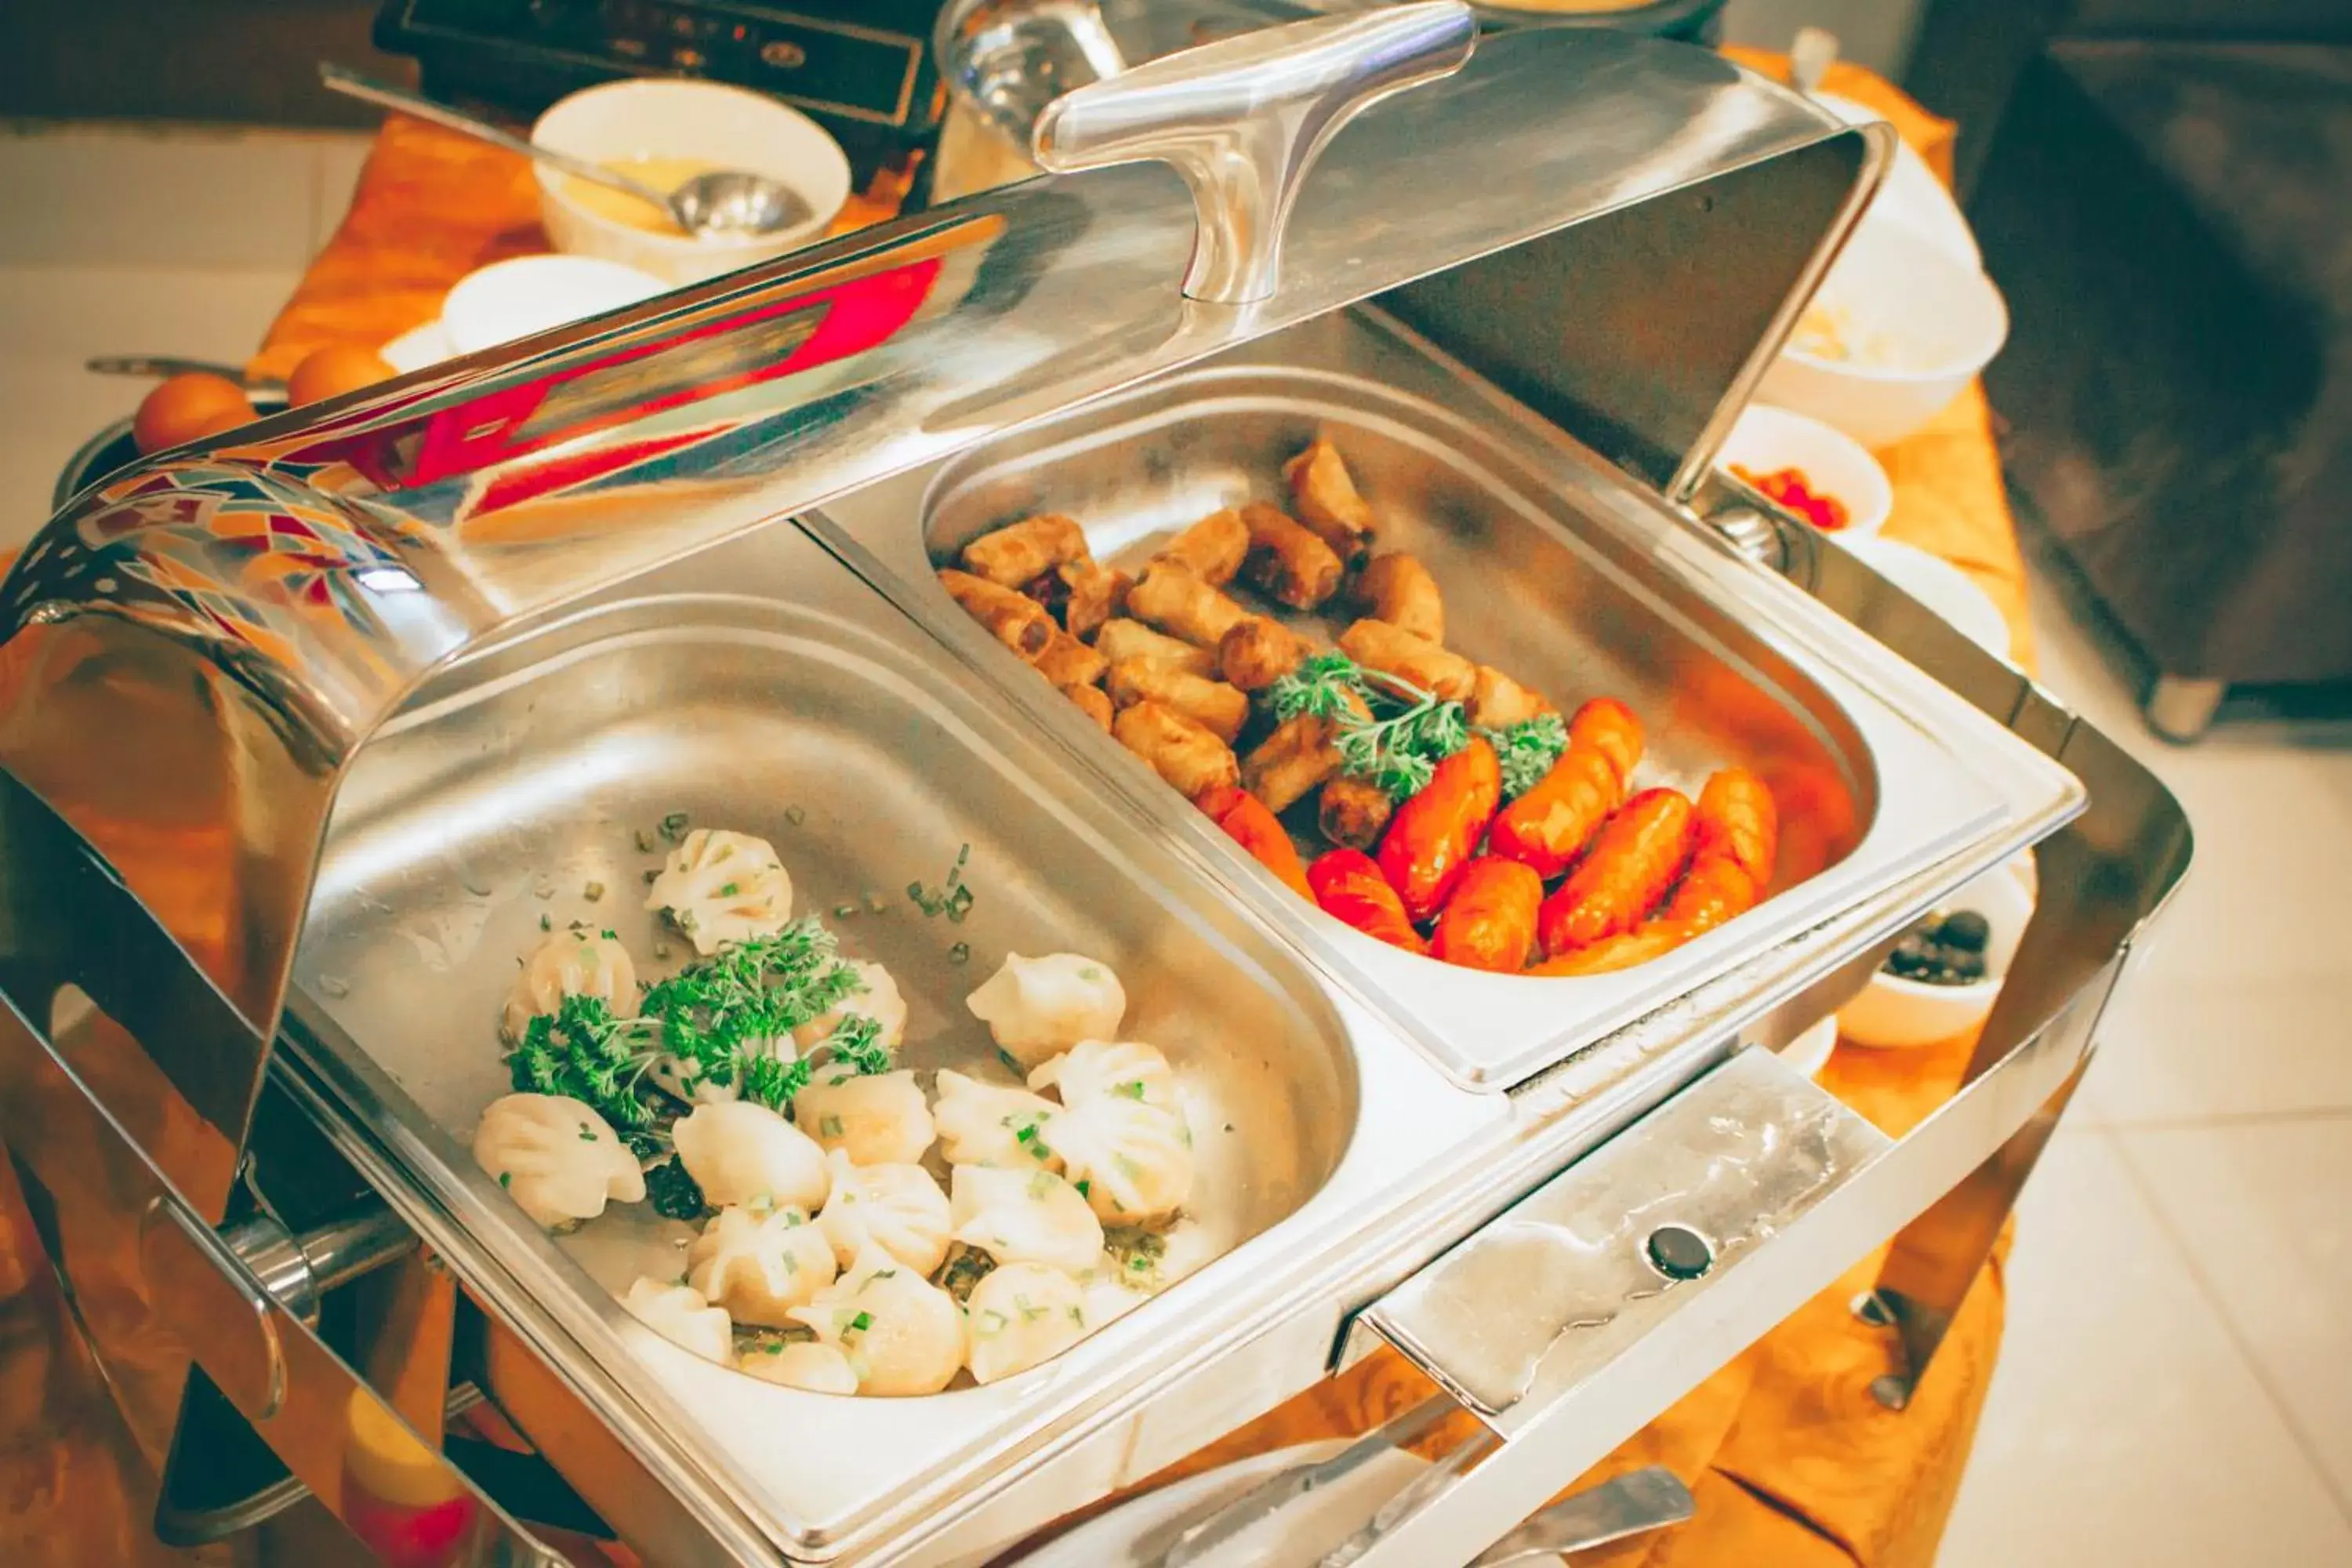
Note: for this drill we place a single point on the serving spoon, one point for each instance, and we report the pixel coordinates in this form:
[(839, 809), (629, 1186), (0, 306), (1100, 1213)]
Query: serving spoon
[(720, 203)]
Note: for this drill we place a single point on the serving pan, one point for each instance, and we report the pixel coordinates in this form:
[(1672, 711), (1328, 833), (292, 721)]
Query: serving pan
[(1559, 572)]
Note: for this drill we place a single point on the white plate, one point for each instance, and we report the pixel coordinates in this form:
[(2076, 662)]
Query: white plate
[(514, 298), (1941, 586), (1318, 1521), (1810, 1052), (418, 347), (1912, 196)]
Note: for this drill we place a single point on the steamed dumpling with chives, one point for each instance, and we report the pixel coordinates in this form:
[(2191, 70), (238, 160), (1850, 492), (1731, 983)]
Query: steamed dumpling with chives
[(993, 1124), (556, 1157), (679, 1314), (876, 1119), (901, 1333), (760, 1266), (1024, 1217), (1131, 1158), (576, 962), (720, 886), (1037, 1007), (899, 1208), (741, 1152), (802, 1363), (1020, 1315), (1108, 1067)]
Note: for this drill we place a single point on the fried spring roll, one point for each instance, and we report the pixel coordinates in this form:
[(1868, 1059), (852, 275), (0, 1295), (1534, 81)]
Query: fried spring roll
[(1353, 812), (1397, 588), (1174, 598), (1490, 922), (1121, 639), (1429, 842), (1256, 652), (1392, 650), (1188, 756), (1093, 701), (1302, 753), (1245, 820), (1211, 549), (1011, 556), (1498, 702), (1065, 661), (1092, 595), (1635, 859), (1349, 888), (1288, 563), (1212, 705), (1326, 499), (1020, 623)]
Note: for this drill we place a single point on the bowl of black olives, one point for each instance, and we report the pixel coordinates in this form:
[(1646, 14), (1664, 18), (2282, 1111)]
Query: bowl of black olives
[(1943, 972)]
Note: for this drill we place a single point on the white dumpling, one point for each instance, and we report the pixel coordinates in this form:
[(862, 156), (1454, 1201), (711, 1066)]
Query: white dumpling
[(580, 963), (1130, 1158), (1037, 1006), (1019, 1315), (679, 1314), (760, 1266), (1108, 1067), (819, 1368), (876, 1119), (720, 886), (993, 1124), (743, 1153), (901, 1333), (877, 999), (556, 1157), (899, 1208), (1108, 1299), (1024, 1217)]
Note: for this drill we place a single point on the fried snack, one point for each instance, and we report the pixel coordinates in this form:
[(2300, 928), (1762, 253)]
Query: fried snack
[(1065, 661), (1188, 756), (1302, 753), (1395, 587), (1353, 812), (1212, 705), (1546, 828), (1211, 549), (1498, 702), (1326, 500), (1429, 839), (1245, 819), (1711, 892), (1020, 623), (1736, 819), (1607, 726), (1256, 652), (1635, 859), (1092, 595), (1349, 888), (1490, 922), (1287, 563), (1121, 639), (1011, 556), (1093, 701), (1175, 599), (1392, 650)]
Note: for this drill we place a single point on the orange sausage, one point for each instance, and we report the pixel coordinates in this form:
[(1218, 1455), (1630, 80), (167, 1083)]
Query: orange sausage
[(1635, 859), (1738, 820), (1348, 886), (1607, 726), (1622, 951), (1247, 822), (1490, 920), (1429, 839), (1714, 889), (1545, 828)]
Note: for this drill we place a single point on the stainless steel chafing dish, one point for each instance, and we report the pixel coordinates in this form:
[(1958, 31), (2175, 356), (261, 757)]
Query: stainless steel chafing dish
[(301, 732)]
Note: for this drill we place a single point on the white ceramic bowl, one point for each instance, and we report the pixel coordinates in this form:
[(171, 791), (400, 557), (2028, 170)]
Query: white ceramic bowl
[(1941, 586), (1833, 463), (726, 126), (1939, 317), (510, 299), (1896, 1014), (1912, 198)]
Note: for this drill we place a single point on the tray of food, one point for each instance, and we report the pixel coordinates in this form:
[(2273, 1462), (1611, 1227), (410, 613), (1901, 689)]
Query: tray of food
[(1449, 685)]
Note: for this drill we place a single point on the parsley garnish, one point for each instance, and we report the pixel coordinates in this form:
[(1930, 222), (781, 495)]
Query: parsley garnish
[(1389, 730), (1527, 750), (674, 1193)]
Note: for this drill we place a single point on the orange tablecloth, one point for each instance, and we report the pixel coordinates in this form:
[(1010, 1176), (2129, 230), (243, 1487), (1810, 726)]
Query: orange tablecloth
[(1794, 1464)]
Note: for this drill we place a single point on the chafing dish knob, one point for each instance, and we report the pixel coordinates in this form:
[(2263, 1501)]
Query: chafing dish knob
[(1679, 1252)]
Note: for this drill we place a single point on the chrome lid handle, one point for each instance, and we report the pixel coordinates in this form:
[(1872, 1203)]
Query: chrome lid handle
[(1245, 118)]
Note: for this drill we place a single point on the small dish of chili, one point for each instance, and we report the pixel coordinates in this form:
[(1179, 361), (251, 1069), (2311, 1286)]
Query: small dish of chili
[(1808, 470)]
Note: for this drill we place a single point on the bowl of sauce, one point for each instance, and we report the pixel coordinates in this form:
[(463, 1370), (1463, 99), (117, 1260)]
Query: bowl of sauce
[(662, 133)]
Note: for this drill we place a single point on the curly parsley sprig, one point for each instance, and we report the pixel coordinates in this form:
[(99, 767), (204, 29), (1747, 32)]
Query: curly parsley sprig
[(1394, 733), (1527, 750)]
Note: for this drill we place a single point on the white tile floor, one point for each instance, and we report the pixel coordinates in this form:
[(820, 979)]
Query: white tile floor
[(2175, 1392)]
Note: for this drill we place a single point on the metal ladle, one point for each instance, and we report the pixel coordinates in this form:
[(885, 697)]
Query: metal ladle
[(722, 201)]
